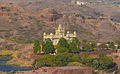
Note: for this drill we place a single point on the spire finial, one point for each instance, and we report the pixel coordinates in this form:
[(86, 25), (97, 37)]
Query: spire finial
[(44, 33), (75, 32), (59, 27)]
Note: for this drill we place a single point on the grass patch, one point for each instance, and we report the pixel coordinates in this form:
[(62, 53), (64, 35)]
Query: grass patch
[(24, 41), (5, 52)]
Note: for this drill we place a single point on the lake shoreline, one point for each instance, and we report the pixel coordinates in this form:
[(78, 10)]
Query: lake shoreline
[(6, 67)]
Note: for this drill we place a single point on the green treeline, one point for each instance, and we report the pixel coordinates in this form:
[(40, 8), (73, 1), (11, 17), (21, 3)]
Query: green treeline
[(67, 53), (75, 46), (102, 62)]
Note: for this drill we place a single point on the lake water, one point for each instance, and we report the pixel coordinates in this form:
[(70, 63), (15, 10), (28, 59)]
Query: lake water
[(8, 68)]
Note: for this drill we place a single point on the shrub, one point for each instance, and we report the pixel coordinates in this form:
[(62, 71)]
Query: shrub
[(74, 64), (3, 7)]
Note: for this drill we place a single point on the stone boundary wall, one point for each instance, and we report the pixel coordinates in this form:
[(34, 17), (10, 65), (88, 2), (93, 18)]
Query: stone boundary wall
[(59, 70), (96, 53)]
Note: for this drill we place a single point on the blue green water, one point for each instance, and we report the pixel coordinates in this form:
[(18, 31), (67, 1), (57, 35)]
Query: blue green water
[(8, 68)]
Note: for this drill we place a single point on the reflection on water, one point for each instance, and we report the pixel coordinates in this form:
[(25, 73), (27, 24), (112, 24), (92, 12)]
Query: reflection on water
[(8, 68)]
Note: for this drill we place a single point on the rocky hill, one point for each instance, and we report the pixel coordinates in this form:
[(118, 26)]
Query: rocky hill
[(24, 21)]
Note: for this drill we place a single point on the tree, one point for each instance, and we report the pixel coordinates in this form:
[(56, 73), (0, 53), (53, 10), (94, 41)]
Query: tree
[(102, 46), (89, 45), (60, 59), (95, 63), (48, 46), (36, 47), (84, 58), (93, 44), (74, 46), (111, 45), (63, 43), (76, 57), (61, 49), (105, 63), (3, 7), (63, 59), (118, 42), (46, 60)]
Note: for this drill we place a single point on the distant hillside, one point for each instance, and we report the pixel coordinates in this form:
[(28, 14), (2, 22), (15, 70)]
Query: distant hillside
[(24, 21), (103, 1)]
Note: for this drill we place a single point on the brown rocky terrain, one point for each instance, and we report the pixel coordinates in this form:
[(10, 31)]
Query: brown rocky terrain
[(24, 21)]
